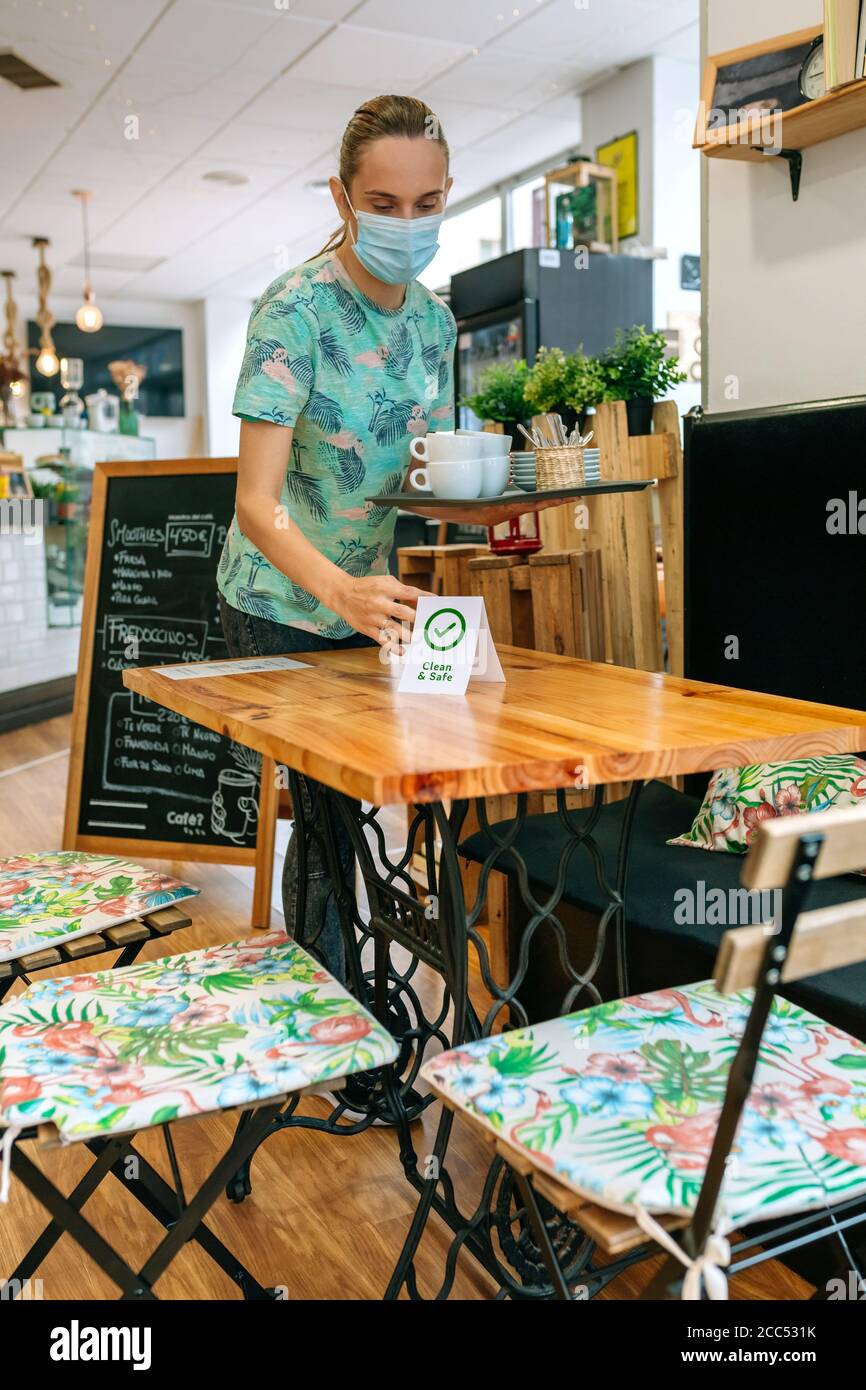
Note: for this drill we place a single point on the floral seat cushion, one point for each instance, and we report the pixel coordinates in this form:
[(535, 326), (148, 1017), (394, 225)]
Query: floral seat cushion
[(49, 897), (118, 1050), (621, 1103)]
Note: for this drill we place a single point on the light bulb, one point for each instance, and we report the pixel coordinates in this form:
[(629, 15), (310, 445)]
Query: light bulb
[(89, 317), (47, 363), (16, 388)]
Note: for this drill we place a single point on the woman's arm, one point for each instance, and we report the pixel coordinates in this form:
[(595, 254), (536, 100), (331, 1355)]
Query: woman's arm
[(262, 465), (370, 605)]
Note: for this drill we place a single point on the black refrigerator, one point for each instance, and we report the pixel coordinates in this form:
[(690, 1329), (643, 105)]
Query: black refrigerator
[(509, 307)]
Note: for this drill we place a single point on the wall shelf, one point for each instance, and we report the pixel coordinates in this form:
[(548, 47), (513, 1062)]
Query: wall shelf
[(778, 134)]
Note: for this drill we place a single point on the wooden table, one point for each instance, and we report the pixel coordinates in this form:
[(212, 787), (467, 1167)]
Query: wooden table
[(344, 724), (557, 722)]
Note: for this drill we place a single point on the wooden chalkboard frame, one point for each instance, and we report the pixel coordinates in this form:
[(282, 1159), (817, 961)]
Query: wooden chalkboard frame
[(261, 856), (746, 136)]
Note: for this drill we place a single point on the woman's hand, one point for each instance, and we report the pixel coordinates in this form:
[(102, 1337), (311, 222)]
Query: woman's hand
[(378, 605)]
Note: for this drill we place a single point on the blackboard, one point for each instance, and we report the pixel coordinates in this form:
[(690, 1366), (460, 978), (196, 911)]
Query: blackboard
[(763, 82), (142, 778), (775, 577)]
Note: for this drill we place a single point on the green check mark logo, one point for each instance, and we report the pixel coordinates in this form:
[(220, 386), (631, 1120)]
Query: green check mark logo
[(444, 629)]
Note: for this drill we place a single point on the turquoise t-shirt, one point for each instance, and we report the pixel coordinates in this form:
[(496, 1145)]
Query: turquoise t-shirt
[(357, 383)]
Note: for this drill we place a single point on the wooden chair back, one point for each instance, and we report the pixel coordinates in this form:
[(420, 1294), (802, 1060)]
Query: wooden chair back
[(787, 855), (826, 938), (843, 847)]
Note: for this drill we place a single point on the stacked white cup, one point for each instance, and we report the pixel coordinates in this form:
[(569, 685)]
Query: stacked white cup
[(462, 464)]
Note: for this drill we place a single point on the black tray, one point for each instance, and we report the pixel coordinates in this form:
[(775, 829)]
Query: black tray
[(408, 500)]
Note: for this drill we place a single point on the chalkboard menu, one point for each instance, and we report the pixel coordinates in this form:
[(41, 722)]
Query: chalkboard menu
[(142, 777)]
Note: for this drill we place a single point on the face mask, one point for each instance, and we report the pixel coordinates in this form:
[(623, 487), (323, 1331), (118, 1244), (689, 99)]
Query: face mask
[(396, 249)]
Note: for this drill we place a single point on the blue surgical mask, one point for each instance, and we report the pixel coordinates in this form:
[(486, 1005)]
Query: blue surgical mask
[(396, 249)]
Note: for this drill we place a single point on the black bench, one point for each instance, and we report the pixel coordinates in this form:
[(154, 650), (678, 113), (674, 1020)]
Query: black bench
[(662, 953)]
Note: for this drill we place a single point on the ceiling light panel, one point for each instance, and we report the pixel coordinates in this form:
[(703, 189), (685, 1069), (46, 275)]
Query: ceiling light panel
[(277, 147), (304, 105), (97, 26), (385, 60), (218, 41), (570, 33), (477, 22), (480, 81)]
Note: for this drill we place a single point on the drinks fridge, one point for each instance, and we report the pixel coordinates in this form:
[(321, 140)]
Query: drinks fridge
[(509, 307)]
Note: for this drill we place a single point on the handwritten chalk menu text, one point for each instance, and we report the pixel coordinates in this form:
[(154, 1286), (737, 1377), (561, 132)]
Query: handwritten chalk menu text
[(148, 774)]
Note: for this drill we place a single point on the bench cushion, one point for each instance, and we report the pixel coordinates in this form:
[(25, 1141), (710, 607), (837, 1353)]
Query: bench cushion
[(658, 872), (232, 1025), (52, 897), (738, 799), (621, 1103)]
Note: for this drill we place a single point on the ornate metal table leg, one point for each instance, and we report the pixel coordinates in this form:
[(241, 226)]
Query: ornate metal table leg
[(505, 857), (622, 887), (435, 928), (522, 1253)]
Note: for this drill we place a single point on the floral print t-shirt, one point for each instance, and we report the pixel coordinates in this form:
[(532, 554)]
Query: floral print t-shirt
[(357, 383)]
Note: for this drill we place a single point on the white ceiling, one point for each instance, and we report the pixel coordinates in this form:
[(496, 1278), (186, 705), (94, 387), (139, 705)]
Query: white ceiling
[(264, 88)]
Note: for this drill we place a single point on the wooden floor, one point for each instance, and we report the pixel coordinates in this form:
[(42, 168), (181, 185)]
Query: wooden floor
[(327, 1215)]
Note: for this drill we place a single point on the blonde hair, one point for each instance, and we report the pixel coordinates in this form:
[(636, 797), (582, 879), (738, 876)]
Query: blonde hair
[(404, 117)]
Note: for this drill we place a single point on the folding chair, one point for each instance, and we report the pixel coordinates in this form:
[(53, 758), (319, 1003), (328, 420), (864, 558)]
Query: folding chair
[(93, 1059), (696, 1110), (63, 906)]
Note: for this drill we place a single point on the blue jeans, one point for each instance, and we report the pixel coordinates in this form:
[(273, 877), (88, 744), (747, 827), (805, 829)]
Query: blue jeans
[(247, 635)]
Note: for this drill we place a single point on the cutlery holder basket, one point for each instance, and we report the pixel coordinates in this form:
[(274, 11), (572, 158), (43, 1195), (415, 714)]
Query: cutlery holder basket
[(559, 467)]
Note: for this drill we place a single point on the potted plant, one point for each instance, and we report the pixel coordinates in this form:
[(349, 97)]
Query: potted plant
[(546, 382), (47, 485), (637, 371), (61, 496), (565, 384), (585, 387), (500, 395)]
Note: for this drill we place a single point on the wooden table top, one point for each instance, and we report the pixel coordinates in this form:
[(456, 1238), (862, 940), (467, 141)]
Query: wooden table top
[(343, 723)]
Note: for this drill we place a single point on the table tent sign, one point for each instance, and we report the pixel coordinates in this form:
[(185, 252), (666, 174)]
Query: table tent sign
[(451, 645)]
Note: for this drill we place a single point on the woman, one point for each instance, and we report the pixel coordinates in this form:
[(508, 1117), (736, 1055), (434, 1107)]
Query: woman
[(348, 359)]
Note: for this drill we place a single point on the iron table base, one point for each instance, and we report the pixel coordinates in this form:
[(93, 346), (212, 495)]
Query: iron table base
[(435, 926)]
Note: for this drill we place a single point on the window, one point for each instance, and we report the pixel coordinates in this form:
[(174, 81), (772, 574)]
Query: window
[(475, 235), (527, 214), (466, 239)]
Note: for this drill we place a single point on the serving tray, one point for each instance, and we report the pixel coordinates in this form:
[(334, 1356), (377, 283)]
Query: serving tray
[(407, 500)]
